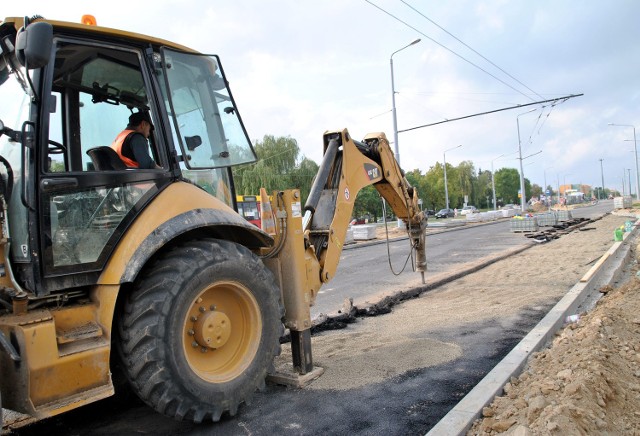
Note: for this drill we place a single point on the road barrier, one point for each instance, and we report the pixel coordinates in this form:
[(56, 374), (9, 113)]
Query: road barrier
[(564, 215), (622, 202), (547, 219), (524, 224)]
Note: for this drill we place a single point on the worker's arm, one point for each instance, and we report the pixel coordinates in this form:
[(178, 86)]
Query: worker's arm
[(140, 148)]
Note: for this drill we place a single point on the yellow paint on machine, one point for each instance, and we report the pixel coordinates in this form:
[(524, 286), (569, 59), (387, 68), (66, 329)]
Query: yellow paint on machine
[(176, 199)]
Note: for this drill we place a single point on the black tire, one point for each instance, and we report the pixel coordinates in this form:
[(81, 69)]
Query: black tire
[(200, 330)]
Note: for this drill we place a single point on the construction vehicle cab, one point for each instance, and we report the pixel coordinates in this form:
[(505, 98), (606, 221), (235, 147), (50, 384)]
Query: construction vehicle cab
[(153, 269), (80, 100)]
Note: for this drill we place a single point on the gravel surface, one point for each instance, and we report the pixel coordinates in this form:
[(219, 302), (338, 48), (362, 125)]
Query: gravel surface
[(586, 382)]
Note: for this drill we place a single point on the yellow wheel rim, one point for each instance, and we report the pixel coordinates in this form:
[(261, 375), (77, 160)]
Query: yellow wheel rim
[(222, 332)]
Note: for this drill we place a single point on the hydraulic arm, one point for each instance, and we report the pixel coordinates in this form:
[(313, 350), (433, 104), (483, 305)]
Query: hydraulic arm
[(311, 251)]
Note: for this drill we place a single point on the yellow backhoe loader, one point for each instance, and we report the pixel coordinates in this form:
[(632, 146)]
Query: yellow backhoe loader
[(152, 270)]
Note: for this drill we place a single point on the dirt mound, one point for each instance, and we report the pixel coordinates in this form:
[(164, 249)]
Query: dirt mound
[(539, 207), (587, 382)]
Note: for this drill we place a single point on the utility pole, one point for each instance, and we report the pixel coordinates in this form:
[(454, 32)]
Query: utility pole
[(602, 176), (635, 149), (393, 102)]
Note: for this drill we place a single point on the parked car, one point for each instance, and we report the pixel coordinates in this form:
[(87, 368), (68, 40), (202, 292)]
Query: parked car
[(510, 206), (431, 212), (468, 209), (444, 213)]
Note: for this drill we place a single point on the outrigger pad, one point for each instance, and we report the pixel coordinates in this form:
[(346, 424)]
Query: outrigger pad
[(293, 379)]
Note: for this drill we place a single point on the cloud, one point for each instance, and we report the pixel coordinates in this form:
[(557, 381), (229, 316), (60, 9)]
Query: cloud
[(300, 68)]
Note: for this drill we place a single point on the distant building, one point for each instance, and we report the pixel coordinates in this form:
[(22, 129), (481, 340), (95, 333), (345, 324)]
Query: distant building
[(585, 189), (574, 196)]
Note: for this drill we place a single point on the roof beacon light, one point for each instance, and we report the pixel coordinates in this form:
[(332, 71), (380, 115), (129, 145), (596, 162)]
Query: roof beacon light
[(89, 20)]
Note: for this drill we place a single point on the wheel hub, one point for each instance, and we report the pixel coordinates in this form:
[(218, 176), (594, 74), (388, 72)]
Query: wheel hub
[(212, 329)]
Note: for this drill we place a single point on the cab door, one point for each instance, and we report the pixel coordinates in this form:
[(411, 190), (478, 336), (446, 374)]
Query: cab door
[(92, 90)]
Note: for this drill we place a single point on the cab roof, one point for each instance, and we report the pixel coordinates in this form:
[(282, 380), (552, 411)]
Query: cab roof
[(99, 31)]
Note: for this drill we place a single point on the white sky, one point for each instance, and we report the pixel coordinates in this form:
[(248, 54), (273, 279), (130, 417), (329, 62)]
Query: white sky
[(298, 68)]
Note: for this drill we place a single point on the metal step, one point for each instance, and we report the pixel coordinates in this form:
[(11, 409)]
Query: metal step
[(88, 330)]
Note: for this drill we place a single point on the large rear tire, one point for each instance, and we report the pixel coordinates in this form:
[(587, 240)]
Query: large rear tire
[(200, 330)]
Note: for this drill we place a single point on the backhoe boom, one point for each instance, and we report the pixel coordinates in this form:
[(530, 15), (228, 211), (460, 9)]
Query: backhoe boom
[(347, 167)]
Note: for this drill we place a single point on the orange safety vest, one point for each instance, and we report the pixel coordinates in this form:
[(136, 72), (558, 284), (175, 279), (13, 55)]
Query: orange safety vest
[(117, 146)]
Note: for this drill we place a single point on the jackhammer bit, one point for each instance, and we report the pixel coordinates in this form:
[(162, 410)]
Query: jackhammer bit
[(417, 233)]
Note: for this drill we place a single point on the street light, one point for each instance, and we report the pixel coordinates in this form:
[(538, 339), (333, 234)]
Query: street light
[(446, 190), (635, 147), (522, 197), (393, 101), (602, 176), (493, 183), (547, 200)]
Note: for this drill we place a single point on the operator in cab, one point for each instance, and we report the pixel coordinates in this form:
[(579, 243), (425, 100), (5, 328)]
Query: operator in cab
[(132, 143)]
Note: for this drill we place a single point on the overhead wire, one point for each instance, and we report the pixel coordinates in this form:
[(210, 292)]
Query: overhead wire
[(537, 128), (469, 47), (448, 49), (553, 106), (564, 99)]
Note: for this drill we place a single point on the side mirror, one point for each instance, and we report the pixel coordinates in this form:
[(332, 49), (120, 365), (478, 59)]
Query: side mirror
[(193, 142), (33, 45)]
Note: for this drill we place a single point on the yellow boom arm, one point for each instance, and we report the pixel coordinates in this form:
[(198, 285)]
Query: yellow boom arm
[(309, 247)]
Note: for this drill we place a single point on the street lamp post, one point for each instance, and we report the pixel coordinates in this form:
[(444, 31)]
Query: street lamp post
[(635, 148), (446, 189), (493, 183), (393, 101), (602, 177), (522, 196), (544, 189)]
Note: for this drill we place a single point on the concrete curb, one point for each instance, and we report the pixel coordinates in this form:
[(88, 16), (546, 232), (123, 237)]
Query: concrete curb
[(460, 419)]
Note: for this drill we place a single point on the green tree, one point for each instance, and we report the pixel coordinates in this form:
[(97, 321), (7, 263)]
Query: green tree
[(468, 182), (454, 187), (536, 191), (302, 176), (507, 182), (484, 190), (419, 182), (435, 182), (368, 203), (279, 167)]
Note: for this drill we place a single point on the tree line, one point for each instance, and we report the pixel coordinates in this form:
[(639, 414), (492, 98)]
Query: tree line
[(281, 166)]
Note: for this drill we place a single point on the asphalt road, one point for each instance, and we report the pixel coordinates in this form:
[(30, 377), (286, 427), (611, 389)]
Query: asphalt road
[(410, 404), (446, 250), (367, 271)]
